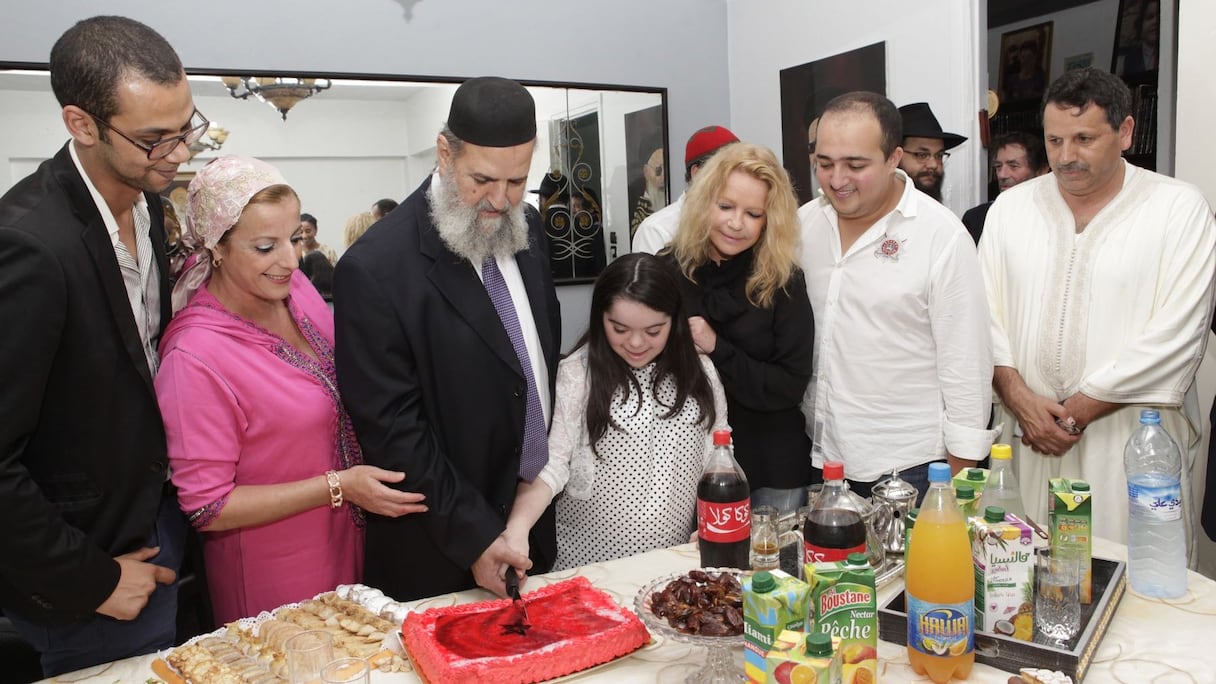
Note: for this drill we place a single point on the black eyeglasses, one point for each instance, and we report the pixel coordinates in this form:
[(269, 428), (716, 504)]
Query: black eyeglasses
[(924, 156), (164, 147)]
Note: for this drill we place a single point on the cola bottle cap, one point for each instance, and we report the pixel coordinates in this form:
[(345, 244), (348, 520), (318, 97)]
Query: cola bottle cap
[(833, 470), (721, 437)]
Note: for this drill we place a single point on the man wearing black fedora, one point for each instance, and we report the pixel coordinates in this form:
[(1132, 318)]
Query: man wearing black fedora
[(925, 148)]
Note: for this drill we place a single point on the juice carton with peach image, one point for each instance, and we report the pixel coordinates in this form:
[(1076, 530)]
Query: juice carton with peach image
[(844, 604), (800, 658)]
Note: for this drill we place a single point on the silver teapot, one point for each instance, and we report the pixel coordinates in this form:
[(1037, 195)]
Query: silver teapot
[(895, 496)]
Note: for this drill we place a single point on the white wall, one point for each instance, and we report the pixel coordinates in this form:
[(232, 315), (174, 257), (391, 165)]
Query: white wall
[(1196, 100), (1195, 150), (1074, 31), (673, 44), (932, 56)]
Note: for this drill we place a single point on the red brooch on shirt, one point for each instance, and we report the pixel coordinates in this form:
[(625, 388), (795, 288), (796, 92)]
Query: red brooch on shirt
[(888, 249)]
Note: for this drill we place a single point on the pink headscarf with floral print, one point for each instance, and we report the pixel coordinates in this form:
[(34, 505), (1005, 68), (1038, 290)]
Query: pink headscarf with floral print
[(214, 201)]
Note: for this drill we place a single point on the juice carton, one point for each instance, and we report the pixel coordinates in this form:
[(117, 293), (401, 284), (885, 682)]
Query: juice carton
[(1070, 514), (797, 657), (1002, 549), (975, 478), (773, 602), (844, 604)]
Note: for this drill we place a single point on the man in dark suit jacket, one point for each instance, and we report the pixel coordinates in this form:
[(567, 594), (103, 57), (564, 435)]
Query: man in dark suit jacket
[(92, 536), (433, 382)]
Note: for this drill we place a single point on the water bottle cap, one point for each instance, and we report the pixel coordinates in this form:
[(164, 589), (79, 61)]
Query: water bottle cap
[(994, 514), (833, 470), (819, 645), (965, 492), (721, 437), (1080, 486), (939, 472), (1150, 417), (1002, 451), (763, 582), (975, 474)]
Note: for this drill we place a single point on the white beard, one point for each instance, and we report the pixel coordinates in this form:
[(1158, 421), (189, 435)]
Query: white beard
[(658, 198), (469, 235)]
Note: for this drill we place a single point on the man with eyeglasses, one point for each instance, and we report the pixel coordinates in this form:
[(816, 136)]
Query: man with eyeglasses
[(93, 537), (925, 148)]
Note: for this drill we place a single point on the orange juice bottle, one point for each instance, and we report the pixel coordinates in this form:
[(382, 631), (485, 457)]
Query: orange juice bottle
[(940, 586)]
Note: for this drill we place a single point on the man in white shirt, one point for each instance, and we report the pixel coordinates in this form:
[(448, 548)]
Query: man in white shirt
[(1100, 282), (660, 227), (903, 358)]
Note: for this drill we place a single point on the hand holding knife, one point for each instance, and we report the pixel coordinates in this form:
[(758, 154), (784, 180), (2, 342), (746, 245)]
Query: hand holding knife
[(512, 582)]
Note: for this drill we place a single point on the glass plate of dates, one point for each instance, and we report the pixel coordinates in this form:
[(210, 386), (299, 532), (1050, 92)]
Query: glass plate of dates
[(703, 606)]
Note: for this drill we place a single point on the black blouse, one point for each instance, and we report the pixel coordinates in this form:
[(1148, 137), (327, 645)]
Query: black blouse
[(764, 357)]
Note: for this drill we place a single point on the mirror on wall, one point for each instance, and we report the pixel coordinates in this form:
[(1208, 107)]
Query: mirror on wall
[(357, 139)]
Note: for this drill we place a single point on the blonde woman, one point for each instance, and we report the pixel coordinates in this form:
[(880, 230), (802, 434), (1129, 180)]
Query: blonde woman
[(737, 248), (356, 226)]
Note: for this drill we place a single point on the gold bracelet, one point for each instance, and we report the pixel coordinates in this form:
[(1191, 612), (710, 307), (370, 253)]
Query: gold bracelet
[(335, 488)]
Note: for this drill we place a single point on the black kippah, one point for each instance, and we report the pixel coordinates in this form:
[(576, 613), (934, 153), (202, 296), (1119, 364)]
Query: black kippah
[(493, 112)]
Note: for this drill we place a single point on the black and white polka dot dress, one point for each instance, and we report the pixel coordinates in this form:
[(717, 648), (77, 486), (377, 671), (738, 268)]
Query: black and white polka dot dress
[(641, 492)]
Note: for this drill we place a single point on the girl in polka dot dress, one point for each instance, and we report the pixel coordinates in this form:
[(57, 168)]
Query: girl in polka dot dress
[(634, 412)]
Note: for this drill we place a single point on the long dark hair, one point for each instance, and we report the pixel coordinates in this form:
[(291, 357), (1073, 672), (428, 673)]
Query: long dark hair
[(647, 280)]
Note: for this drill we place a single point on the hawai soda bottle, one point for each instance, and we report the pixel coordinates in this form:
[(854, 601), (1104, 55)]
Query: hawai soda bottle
[(940, 583), (724, 509)]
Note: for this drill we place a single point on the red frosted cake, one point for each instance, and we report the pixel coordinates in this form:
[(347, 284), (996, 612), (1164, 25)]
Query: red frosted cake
[(573, 627)]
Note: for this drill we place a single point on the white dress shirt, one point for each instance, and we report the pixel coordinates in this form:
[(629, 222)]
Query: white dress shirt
[(140, 276), (659, 228), (903, 355)]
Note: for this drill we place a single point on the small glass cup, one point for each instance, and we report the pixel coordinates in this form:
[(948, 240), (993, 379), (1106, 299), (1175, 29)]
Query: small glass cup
[(1057, 596), (346, 671), (766, 539), (307, 654)]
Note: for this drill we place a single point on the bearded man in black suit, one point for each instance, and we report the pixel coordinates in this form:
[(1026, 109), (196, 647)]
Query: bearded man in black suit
[(447, 330)]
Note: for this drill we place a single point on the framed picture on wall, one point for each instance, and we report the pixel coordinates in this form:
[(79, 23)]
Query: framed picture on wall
[(807, 88), (1025, 66), (1078, 61), (1137, 37), (645, 164)]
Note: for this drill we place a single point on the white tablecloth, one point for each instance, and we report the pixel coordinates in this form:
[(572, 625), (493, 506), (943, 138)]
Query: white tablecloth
[(1147, 641)]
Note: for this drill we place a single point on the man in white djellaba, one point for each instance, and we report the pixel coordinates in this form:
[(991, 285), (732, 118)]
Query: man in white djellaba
[(1100, 281)]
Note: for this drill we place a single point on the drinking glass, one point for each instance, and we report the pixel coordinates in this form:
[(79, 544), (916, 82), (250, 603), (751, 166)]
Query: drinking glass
[(307, 654), (1057, 596), (346, 671), (766, 540)]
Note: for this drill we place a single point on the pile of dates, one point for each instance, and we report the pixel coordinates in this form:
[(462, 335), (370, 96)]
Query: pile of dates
[(708, 604)]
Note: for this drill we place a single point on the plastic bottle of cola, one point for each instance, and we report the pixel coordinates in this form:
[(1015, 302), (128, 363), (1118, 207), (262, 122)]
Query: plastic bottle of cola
[(724, 509)]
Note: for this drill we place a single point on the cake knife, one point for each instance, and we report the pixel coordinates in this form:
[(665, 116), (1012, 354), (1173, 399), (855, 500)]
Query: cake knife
[(512, 580)]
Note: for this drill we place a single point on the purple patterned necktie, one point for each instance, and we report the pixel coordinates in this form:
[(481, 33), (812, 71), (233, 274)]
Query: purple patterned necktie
[(536, 440)]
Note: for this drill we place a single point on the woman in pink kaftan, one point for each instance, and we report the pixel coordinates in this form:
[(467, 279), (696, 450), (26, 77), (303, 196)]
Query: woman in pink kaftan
[(261, 450)]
